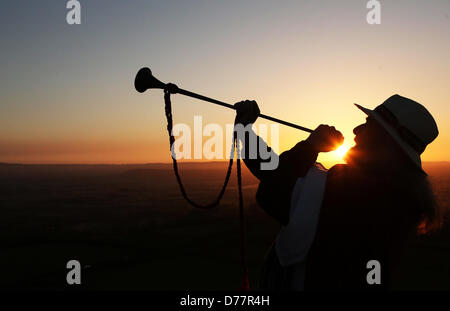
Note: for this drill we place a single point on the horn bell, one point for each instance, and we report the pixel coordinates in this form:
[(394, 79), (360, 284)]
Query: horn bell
[(145, 80)]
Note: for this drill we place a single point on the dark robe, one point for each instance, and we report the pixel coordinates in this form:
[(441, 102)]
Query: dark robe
[(363, 217)]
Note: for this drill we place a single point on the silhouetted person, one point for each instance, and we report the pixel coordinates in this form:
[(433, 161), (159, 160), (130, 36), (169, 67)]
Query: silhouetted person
[(369, 206)]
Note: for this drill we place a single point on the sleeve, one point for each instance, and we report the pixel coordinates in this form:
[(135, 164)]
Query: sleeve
[(274, 192), (276, 185)]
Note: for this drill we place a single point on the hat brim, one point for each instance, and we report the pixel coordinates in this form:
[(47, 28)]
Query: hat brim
[(410, 152)]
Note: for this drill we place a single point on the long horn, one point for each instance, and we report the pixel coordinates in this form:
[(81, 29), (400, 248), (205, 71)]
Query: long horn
[(145, 80)]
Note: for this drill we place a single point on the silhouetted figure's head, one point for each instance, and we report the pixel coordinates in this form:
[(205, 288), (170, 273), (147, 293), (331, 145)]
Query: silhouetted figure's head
[(389, 145), (394, 135)]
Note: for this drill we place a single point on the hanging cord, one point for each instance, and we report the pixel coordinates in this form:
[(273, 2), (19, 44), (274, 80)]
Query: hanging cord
[(245, 284), (168, 109)]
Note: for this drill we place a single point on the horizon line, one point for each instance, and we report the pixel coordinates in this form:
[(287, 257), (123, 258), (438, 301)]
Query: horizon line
[(156, 163)]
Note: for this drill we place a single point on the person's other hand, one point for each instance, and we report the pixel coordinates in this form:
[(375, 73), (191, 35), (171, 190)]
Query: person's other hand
[(247, 112), (325, 138)]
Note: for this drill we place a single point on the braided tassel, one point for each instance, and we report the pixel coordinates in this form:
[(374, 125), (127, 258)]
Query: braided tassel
[(245, 285)]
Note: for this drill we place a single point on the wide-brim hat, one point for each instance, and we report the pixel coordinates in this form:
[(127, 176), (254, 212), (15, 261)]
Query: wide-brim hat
[(408, 123)]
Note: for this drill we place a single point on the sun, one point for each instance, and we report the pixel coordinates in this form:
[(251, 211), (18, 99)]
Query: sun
[(341, 151)]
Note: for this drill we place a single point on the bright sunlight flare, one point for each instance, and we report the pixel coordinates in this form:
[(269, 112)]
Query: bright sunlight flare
[(341, 151)]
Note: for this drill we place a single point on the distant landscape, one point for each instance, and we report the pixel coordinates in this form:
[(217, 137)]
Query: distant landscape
[(131, 230)]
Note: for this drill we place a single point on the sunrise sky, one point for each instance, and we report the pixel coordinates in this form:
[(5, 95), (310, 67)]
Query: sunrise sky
[(67, 95)]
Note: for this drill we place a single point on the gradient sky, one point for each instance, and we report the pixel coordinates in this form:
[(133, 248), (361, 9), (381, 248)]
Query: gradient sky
[(67, 92)]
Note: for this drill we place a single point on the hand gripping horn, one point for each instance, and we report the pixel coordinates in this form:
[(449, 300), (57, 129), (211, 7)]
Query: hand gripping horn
[(145, 80)]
